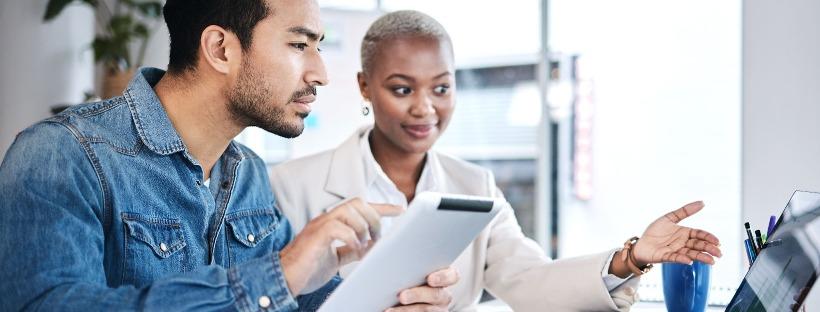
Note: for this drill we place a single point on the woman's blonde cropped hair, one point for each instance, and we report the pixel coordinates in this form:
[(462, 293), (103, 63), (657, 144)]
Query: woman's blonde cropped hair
[(400, 24)]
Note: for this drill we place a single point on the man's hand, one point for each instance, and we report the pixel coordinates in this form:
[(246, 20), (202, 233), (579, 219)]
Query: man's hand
[(310, 260), (430, 297), (666, 241)]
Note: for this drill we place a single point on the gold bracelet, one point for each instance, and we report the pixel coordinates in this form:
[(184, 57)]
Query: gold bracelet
[(629, 259)]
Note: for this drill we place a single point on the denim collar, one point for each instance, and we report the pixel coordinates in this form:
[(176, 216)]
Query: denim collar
[(150, 118)]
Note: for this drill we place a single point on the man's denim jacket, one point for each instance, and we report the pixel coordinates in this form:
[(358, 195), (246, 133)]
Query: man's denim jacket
[(103, 208)]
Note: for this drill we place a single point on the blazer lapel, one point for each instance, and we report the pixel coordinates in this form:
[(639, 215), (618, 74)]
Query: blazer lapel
[(346, 175)]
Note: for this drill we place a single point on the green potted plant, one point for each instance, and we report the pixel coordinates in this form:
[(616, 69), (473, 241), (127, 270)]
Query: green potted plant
[(121, 24)]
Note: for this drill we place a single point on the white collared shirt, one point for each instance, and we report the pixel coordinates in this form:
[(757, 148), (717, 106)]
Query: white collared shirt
[(381, 190)]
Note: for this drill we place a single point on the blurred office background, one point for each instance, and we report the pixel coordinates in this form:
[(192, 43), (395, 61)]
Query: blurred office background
[(635, 108)]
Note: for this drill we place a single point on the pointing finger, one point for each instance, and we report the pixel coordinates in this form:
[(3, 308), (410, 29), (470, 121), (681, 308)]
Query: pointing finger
[(386, 210)]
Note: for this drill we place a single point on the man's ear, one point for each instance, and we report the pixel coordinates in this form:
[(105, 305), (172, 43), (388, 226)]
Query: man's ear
[(219, 48), (362, 85)]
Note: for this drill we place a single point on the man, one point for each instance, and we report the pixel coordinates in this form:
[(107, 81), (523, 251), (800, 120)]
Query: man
[(144, 202)]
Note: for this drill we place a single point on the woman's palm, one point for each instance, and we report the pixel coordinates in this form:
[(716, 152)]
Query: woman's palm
[(666, 241)]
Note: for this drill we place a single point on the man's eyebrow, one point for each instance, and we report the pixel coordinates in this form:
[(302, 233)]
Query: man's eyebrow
[(301, 30)]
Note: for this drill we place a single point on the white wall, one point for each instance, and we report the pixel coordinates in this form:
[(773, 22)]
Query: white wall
[(42, 64), (781, 106), (781, 96), (666, 125)]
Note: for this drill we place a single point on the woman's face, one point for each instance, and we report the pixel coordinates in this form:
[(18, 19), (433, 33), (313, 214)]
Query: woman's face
[(411, 86)]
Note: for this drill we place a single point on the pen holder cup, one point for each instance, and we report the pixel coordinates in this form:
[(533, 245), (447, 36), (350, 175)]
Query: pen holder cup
[(686, 287)]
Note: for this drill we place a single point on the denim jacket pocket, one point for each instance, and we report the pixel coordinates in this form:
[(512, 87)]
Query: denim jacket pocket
[(249, 232), (154, 247)]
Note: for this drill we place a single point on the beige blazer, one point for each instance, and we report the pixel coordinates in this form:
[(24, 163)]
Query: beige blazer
[(501, 259)]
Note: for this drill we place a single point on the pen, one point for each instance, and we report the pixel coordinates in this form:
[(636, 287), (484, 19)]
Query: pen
[(751, 238), (759, 240), (750, 253), (770, 229)]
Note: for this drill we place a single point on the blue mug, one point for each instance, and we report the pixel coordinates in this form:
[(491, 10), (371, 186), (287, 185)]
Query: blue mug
[(685, 287)]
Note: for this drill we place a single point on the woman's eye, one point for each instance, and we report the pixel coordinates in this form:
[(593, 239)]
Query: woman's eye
[(301, 46), (441, 89), (402, 90)]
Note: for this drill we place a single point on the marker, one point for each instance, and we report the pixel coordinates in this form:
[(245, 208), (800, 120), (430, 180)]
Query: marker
[(770, 229), (751, 238), (759, 240)]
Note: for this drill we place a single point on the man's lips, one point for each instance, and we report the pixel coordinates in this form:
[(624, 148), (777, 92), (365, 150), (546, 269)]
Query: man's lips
[(303, 103), (307, 99)]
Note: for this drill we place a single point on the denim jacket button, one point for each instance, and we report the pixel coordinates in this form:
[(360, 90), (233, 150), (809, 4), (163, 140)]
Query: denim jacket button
[(264, 302), (251, 238), (163, 247)]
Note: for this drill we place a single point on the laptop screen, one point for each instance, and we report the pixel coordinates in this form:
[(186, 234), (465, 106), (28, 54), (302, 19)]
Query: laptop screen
[(787, 266)]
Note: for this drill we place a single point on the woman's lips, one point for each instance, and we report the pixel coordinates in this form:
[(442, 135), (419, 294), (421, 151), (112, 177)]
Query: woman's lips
[(419, 131)]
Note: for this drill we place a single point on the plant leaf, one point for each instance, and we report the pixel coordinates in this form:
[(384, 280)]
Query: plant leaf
[(111, 50), (140, 30), (54, 7), (102, 48), (121, 25)]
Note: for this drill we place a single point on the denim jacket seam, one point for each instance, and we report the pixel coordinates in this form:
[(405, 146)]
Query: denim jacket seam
[(98, 107), (245, 213), (93, 111), (95, 163), (121, 150), (223, 207), (125, 151), (124, 247), (279, 276), (154, 220), (241, 297)]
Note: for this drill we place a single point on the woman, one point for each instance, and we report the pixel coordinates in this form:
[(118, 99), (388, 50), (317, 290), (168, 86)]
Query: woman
[(409, 78)]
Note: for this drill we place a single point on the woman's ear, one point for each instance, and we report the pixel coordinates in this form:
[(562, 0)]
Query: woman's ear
[(218, 48), (362, 85)]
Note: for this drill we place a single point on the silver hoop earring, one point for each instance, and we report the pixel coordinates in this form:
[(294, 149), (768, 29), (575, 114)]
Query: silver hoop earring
[(365, 108)]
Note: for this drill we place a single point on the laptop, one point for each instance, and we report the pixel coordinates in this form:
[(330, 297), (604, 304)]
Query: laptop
[(787, 266)]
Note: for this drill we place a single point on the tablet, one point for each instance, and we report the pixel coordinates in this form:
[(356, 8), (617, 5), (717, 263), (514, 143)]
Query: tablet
[(429, 236)]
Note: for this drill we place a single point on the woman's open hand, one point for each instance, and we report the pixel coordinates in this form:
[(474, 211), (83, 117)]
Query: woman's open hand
[(666, 241)]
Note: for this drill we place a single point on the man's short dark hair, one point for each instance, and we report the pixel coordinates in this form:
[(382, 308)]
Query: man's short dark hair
[(186, 19)]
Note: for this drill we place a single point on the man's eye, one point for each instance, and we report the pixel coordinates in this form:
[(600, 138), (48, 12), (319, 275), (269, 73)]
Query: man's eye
[(299, 45), (441, 89), (402, 90)]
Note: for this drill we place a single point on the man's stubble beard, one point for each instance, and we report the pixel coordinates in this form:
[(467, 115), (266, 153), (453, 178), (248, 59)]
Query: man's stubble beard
[(249, 103)]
